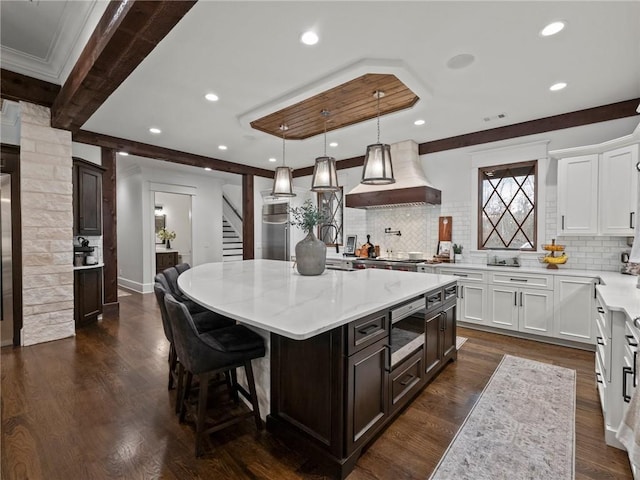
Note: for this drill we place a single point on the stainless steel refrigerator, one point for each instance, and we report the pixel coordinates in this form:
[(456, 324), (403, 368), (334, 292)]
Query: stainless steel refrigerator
[(275, 231), (6, 303)]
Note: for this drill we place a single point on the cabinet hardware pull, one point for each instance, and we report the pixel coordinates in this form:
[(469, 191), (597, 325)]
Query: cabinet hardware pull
[(635, 377), (518, 279), (408, 378), (461, 275), (562, 222), (367, 330), (635, 322), (387, 367), (461, 291), (631, 219), (631, 341), (599, 341), (443, 320), (600, 310), (625, 371), (597, 377), (521, 299), (515, 299)]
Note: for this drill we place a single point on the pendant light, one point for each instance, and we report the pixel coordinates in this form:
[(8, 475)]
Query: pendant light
[(377, 168), (283, 179), (325, 175)]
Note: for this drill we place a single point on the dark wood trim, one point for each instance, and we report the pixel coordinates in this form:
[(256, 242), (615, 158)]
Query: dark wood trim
[(248, 234), (127, 32), (396, 196), (110, 310), (15, 86), (109, 227), (578, 118), (167, 154), (341, 165), (10, 163)]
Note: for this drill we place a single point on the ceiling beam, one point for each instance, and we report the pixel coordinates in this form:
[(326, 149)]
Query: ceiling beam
[(604, 113), (15, 86), (167, 154), (578, 118), (127, 32)]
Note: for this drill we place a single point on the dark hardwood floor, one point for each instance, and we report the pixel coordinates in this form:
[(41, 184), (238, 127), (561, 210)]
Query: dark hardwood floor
[(97, 407)]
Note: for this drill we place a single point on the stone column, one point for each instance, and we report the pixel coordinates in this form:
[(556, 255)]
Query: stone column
[(47, 227)]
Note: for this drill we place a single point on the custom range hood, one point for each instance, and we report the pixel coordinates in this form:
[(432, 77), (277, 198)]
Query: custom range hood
[(411, 187)]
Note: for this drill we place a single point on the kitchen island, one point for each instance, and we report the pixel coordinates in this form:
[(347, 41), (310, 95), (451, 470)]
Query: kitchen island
[(329, 381)]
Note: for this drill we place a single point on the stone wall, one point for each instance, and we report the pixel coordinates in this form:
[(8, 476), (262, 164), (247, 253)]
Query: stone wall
[(47, 227)]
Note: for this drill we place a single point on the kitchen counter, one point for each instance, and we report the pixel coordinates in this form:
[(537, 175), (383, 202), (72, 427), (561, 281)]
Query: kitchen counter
[(271, 295), (86, 267), (618, 291)]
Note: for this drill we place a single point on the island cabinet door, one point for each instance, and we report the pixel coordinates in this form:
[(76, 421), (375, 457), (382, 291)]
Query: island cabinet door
[(432, 344), (449, 332), (368, 393)]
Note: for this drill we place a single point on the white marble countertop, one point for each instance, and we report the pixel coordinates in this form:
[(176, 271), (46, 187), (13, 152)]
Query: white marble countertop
[(87, 267), (271, 295), (618, 291)]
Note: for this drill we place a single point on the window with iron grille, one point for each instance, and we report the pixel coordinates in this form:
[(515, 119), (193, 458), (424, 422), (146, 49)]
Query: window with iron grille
[(507, 213), (330, 205)]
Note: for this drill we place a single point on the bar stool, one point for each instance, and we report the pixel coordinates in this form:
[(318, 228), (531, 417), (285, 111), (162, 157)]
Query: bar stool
[(204, 322), (208, 354), (168, 278)]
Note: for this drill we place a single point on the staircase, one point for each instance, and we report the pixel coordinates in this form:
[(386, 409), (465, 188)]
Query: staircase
[(231, 243)]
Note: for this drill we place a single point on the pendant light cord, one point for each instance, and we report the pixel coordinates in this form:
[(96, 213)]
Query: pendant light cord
[(378, 97), (284, 129)]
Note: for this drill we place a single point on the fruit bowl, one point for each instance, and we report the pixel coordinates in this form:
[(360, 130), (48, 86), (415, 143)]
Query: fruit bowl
[(553, 248), (552, 261)]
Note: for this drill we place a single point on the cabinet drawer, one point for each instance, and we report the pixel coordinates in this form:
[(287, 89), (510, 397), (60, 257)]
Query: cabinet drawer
[(435, 298), (366, 331), (522, 280), (602, 344), (476, 276), (406, 379), (601, 383), (603, 318)]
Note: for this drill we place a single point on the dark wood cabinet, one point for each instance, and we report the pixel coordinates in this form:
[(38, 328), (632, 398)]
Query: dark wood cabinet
[(333, 393), (87, 198), (367, 393), (87, 295), (165, 260)]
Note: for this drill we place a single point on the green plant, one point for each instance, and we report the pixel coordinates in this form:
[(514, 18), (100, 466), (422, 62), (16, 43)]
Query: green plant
[(165, 234), (457, 249), (306, 216)]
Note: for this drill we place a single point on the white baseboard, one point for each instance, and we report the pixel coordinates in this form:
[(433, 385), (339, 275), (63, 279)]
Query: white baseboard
[(135, 286)]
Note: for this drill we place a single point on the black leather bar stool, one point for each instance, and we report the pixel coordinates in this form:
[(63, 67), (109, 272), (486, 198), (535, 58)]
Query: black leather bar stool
[(168, 278), (204, 322), (208, 354)]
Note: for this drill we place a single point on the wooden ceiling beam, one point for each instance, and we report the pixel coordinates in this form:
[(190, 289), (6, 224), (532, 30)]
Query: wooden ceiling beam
[(603, 113), (127, 32), (167, 154), (17, 87)]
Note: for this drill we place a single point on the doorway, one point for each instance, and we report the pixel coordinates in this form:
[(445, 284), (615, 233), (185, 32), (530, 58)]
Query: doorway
[(172, 214)]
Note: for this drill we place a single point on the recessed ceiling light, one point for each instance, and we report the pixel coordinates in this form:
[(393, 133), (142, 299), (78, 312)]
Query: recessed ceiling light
[(460, 61), (309, 38), (552, 29), (333, 144), (557, 86), (124, 154), (272, 159), (419, 122), (155, 131), (222, 147), (212, 97), (208, 169)]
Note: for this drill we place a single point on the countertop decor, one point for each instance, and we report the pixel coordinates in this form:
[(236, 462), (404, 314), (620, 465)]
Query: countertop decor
[(311, 253)]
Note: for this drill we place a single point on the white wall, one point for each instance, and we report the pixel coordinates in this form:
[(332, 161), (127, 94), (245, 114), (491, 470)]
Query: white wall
[(90, 153), (130, 229)]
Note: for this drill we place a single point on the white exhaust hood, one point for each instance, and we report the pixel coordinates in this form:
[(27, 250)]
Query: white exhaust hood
[(411, 187)]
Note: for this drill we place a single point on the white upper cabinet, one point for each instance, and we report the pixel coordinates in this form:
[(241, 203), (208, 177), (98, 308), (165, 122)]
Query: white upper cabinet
[(578, 195), (619, 191), (598, 188)]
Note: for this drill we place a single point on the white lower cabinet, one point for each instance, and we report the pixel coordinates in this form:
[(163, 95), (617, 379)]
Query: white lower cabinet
[(527, 310), (472, 295), (574, 306)]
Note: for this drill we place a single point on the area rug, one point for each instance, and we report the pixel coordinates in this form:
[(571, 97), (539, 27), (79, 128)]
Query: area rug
[(123, 293), (521, 427), (460, 341)]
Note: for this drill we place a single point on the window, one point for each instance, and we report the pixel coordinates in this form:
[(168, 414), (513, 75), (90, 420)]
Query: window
[(330, 204), (507, 213)]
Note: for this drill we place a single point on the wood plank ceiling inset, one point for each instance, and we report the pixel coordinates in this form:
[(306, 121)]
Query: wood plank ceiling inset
[(349, 103)]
